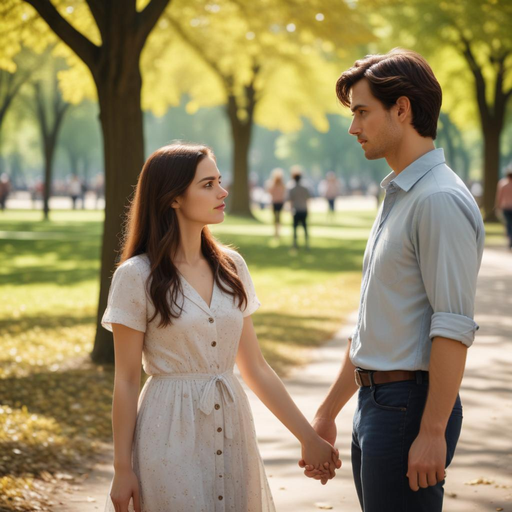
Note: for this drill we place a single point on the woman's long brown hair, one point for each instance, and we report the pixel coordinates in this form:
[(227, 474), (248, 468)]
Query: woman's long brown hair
[(152, 228)]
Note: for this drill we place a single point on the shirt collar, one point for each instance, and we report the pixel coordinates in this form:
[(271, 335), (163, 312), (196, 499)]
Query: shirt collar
[(415, 171)]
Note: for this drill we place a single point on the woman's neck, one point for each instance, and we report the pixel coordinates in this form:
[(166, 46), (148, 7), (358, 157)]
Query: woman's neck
[(189, 249)]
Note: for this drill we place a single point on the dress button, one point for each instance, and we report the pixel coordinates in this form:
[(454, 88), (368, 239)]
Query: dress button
[(211, 320), (221, 498), (217, 407), (214, 343), (219, 452), (219, 429)]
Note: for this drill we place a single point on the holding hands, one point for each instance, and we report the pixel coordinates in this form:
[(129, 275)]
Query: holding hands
[(319, 458)]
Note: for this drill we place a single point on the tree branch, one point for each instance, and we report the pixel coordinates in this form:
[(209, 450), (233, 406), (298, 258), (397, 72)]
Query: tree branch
[(81, 45), (97, 8), (147, 18), (479, 79), (227, 80)]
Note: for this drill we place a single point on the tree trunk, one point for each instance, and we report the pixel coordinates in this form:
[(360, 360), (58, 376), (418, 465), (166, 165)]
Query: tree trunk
[(492, 134), (121, 123), (240, 202), (49, 150), (115, 68)]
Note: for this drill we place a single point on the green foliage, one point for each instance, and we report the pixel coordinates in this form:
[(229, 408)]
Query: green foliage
[(438, 30), (289, 53)]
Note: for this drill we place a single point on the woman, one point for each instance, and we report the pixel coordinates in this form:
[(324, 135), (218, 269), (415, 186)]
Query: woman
[(277, 190), (182, 303)]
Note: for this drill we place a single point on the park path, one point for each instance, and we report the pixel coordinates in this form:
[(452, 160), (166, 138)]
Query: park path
[(479, 479)]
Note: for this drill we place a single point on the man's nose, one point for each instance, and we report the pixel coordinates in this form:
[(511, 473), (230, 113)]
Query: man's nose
[(354, 129)]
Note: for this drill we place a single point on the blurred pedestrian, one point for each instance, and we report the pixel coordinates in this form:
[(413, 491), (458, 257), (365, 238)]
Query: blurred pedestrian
[(83, 192), (504, 201), (277, 189), (75, 189), (298, 195), (5, 189), (99, 188), (330, 188)]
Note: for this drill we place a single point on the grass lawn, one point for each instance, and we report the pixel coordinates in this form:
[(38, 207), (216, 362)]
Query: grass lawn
[(55, 405)]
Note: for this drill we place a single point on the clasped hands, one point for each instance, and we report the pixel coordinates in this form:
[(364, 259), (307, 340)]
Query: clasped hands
[(320, 459)]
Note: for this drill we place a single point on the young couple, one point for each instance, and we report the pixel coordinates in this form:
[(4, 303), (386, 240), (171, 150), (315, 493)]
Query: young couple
[(182, 303)]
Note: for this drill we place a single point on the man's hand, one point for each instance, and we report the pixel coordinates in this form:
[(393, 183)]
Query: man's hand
[(427, 459), (326, 429)]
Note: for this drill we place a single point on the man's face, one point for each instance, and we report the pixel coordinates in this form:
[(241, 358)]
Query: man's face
[(375, 127)]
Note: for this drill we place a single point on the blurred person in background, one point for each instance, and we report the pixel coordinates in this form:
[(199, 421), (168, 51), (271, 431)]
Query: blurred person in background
[(298, 195), (5, 189), (277, 189), (504, 201), (99, 188), (75, 190), (330, 188)]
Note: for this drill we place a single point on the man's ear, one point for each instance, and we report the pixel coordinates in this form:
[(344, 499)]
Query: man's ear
[(403, 108)]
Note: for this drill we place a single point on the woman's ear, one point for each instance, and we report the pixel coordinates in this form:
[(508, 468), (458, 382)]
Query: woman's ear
[(175, 204)]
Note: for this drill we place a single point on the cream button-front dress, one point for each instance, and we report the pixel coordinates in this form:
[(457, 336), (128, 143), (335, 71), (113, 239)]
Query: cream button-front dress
[(194, 447)]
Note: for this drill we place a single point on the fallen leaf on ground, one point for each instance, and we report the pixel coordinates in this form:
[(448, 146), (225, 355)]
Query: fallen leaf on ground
[(323, 506), (480, 481)]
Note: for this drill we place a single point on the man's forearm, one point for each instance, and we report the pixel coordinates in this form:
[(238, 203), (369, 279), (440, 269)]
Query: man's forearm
[(447, 362), (341, 390)]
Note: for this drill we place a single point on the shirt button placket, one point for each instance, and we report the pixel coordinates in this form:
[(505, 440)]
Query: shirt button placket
[(219, 443), (219, 457)]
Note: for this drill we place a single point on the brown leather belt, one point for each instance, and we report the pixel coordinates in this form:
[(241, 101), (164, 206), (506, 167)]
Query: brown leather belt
[(371, 378)]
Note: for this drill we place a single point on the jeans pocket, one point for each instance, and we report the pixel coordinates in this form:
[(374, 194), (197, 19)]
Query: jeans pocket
[(389, 400)]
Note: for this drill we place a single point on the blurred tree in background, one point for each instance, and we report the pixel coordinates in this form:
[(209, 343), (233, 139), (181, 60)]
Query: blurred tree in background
[(477, 33), (273, 63)]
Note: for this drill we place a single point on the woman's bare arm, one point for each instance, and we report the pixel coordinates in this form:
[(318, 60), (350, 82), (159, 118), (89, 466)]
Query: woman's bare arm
[(128, 360)]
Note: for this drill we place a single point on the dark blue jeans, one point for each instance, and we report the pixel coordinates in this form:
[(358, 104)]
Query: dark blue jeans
[(386, 423)]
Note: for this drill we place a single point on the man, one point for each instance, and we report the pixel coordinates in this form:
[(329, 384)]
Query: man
[(504, 202), (415, 324), (298, 195)]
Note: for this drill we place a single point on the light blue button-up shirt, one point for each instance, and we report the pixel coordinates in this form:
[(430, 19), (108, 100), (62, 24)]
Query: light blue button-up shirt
[(420, 268)]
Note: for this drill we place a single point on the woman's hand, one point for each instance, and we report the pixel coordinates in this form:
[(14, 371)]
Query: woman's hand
[(125, 486), (320, 458)]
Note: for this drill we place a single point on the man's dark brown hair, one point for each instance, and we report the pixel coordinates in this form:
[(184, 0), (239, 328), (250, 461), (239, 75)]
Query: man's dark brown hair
[(395, 74)]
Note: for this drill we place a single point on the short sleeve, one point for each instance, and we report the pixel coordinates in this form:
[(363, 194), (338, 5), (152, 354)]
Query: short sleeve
[(243, 272), (126, 299)]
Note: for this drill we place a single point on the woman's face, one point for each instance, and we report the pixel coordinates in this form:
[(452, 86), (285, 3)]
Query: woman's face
[(203, 201)]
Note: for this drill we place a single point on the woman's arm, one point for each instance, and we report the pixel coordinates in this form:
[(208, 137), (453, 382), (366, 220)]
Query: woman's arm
[(260, 377), (128, 356), (342, 389)]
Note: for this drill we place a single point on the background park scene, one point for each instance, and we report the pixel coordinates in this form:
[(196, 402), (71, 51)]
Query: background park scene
[(89, 88)]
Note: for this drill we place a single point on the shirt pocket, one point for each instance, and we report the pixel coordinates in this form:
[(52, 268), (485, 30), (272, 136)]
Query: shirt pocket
[(386, 262)]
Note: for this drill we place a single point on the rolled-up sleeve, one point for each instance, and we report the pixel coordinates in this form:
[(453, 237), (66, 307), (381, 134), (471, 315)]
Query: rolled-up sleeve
[(448, 252)]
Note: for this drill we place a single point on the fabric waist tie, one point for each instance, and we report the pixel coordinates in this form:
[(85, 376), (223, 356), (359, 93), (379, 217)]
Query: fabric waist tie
[(207, 400)]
